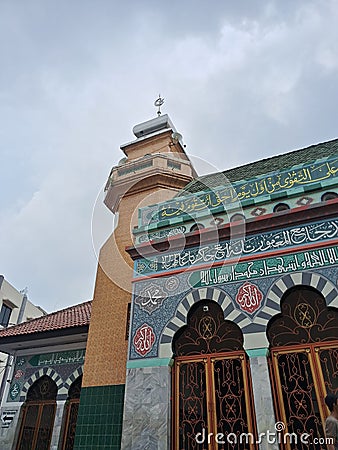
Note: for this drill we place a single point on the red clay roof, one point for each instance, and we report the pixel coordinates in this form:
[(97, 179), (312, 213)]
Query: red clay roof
[(74, 316)]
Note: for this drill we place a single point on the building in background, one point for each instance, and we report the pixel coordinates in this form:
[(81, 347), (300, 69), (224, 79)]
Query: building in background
[(14, 308), (40, 402)]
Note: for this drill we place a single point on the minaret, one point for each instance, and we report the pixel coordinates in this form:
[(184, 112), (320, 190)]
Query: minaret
[(154, 169)]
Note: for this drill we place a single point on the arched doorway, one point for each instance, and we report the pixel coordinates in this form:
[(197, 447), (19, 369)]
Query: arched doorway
[(38, 414), (211, 383), (70, 414), (304, 364)]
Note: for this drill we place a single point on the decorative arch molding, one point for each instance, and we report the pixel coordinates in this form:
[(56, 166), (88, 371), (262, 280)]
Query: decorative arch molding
[(278, 289), (180, 317), (63, 392), (259, 323), (44, 371)]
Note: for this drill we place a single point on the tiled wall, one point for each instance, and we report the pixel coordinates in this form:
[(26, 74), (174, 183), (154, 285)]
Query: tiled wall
[(99, 423), (146, 421)]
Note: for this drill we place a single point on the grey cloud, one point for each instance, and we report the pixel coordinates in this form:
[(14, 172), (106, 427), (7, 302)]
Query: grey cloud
[(244, 80)]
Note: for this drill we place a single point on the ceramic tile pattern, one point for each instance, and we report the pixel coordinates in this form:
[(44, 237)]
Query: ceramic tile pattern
[(164, 317), (99, 424)]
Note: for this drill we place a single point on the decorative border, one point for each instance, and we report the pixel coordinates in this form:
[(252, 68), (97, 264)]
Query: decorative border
[(44, 371), (259, 324), (256, 244), (267, 187), (63, 393)]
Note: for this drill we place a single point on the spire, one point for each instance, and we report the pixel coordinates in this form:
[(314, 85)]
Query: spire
[(159, 102)]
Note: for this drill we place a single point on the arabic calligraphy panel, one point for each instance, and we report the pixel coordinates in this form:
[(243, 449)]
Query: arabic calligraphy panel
[(249, 297), (264, 185), (151, 298), (144, 339), (254, 244)]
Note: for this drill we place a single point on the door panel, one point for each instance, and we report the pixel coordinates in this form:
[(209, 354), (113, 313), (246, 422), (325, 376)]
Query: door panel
[(37, 426), (72, 412), (327, 360), (303, 377), (29, 423), (45, 427), (213, 396), (298, 394), (192, 403), (232, 403), (304, 362)]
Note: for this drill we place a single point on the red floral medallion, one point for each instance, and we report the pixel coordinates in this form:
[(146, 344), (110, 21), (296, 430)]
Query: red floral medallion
[(18, 374), (144, 339), (249, 297)]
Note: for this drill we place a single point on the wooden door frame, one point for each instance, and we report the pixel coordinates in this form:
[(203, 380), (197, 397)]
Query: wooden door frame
[(68, 406), (40, 405), (208, 360), (312, 349)]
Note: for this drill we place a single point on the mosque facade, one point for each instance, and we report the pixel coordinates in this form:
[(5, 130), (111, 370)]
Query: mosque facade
[(214, 321), (229, 325)]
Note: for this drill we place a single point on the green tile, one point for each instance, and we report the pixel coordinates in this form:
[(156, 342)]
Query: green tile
[(100, 418), (277, 195)]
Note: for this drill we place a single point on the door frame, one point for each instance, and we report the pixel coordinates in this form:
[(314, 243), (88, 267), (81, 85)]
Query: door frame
[(209, 360)]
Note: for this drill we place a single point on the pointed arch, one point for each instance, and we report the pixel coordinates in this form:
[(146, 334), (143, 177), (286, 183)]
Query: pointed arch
[(33, 378), (207, 332), (304, 318), (272, 305), (180, 318), (63, 393), (37, 414)]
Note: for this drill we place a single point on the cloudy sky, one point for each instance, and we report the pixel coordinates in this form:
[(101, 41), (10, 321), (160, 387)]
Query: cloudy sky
[(242, 80)]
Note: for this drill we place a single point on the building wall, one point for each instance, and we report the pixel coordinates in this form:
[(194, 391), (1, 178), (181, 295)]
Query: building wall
[(267, 262), (16, 300), (164, 290), (107, 348), (22, 310), (148, 375), (62, 363)]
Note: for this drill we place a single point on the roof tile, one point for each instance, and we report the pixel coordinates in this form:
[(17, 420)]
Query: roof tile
[(74, 316), (262, 166)]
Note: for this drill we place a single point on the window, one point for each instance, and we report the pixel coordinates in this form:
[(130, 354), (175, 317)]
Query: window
[(237, 218), (281, 207), (197, 226), (5, 314), (328, 196)]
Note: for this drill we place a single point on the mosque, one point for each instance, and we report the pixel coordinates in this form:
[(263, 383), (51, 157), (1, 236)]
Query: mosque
[(214, 320)]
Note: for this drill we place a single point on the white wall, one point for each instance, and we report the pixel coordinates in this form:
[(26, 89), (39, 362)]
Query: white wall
[(14, 299)]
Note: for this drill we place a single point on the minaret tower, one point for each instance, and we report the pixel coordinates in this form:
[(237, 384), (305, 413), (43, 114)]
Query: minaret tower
[(154, 169)]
